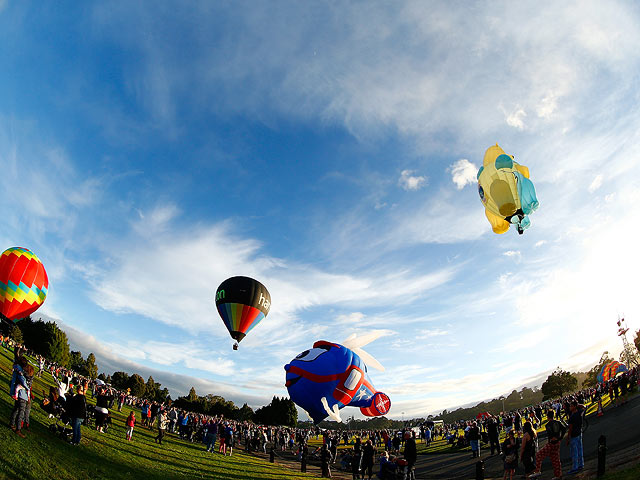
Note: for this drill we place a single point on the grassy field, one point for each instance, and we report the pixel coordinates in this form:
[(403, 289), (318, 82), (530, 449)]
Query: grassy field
[(43, 455)]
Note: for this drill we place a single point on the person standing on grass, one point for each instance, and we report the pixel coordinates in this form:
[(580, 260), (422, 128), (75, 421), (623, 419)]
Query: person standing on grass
[(40, 365), (510, 452), (356, 459), (28, 375), (574, 437), (212, 434), (528, 449), (325, 457), (228, 439), (143, 413), (130, 422), (555, 432), (368, 458), (221, 436), (474, 440), (411, 454), (494, 435), (163, 421), (77, 410), (19, 390)]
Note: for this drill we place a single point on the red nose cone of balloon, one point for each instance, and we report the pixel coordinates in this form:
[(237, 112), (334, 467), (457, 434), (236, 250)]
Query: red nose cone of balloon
[(380, 405)]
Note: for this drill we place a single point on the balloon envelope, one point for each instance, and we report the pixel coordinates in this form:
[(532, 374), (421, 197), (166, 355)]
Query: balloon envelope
[(23, 283), (242, 303), (506, 191), (610, 370)]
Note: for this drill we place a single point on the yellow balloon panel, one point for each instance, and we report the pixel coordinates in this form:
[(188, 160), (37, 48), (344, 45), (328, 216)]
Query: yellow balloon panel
[(500, 191)]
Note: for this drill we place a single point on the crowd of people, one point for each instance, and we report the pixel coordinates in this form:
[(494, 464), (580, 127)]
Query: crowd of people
[(564, 419), (394, 452), (67, 402)]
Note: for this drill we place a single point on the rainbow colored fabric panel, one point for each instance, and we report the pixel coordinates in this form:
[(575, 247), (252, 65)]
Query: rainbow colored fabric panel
[(610, 370), (239, 317), (23, 283)]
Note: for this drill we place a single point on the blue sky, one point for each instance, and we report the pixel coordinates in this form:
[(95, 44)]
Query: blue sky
[(150, 150)]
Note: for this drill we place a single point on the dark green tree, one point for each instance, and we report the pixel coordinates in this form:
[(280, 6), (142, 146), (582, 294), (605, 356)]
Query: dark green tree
[(137, 385), (558, 383), (281, 411), (16, 333), (192, 397), (120, 380), (245, 413), (91, 369), (76, 362), (57, 345), (150, 389)]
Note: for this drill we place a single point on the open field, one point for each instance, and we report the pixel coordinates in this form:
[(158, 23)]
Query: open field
[(108, 455)]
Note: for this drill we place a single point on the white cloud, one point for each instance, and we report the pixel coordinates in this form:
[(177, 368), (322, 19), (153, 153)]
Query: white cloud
[(463, 173), (547, 105), (351, 318), (170, 277), (516, 118), (409, 181), (596, 184), (507, 56), (516, 254), (429, 333)]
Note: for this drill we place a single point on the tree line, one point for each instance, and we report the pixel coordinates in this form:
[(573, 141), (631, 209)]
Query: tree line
[(48, 340)]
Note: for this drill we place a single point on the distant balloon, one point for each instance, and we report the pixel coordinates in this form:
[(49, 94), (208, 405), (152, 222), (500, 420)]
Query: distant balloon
[(610, 370), (23, 283), (242, 303), (506, 192)]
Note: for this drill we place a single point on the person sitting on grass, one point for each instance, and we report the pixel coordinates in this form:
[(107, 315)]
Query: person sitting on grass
[(345, 460), (130, 422), (387, 467)]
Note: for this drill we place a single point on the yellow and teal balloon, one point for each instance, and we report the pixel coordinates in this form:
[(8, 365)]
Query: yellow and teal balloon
[(506, 192), (242, 303)]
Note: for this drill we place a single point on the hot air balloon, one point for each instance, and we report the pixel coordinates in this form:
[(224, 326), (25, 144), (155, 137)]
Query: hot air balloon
[(610, 370), (23, 283), (506, 191), (242, 303), (330, 376)]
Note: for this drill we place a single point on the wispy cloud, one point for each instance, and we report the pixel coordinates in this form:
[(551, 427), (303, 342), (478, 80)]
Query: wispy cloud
[(409, 181), (596, 184)]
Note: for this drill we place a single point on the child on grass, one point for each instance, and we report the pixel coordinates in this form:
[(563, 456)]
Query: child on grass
[(131, 421)]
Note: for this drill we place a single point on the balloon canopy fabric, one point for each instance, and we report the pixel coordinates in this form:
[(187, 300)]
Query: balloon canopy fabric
[(610, 370), (242, 303), (506, 192), (23, 283), (329, 377)]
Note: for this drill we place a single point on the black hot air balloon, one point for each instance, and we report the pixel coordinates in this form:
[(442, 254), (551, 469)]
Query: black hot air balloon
[(242, 303)]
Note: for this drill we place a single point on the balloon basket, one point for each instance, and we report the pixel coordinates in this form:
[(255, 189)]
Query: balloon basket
[(235, 346)]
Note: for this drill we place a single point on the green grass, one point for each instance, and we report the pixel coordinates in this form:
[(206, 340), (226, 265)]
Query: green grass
[(108, 455), (632, 473)]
